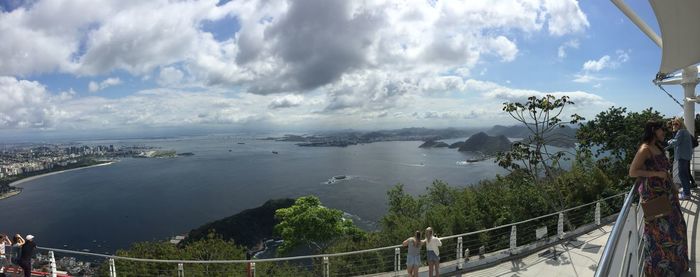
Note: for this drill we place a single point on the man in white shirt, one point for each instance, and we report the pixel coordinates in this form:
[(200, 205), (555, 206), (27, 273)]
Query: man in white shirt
[(432, 245)]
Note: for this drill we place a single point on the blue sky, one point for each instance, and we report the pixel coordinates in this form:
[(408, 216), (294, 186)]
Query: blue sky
[(78, 66)]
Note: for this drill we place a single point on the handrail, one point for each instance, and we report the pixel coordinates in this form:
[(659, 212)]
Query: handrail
[(318, 255), (603, 269)]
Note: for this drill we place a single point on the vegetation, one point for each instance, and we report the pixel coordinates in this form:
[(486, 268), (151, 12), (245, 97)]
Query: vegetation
[(309, 224), (613, 137), (246, 228)]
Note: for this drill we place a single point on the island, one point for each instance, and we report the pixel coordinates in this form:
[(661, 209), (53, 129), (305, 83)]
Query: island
[(483, 143), (433, 144)]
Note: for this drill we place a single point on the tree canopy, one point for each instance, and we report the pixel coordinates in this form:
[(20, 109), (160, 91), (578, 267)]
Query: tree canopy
[(309, 223)]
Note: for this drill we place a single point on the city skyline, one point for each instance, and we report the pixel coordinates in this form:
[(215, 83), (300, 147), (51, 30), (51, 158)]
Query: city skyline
[(132, 67)]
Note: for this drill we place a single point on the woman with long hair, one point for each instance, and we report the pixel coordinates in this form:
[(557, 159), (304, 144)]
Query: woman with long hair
[(413, 258), (432, 246), (665, 237)]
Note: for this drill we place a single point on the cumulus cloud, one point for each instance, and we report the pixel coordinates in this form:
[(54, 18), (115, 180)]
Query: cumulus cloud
[(170, 76), (598, 65), (286, 101), (330, 58), (95, 87), (591, 67), (25, 104)]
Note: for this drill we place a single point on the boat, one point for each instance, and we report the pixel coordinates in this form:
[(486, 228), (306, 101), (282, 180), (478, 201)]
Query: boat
[(333, 179), (275, 152), (241, 143)]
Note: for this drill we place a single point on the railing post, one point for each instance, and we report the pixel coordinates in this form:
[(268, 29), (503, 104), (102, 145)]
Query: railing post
[(560, 226), (52, 264), (466, 254), (252, 270), (180, 270), (460, 259), (397, 261), (112, 268), (513, 239), (326, 269), (597, 213)]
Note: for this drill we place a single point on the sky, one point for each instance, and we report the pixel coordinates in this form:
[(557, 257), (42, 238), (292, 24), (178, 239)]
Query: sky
[(131, 67)]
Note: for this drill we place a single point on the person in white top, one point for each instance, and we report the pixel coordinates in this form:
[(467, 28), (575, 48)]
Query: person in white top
[(432, 245), (4, 242)]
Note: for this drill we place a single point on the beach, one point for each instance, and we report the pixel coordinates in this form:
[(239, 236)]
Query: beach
[(18, 182)]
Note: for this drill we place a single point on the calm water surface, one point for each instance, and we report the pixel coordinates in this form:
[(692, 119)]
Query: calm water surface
[(109, 207)]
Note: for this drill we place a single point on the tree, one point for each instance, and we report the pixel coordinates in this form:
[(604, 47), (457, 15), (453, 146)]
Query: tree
[(613, 137), (541, 116), (532, 156), (310, 224)]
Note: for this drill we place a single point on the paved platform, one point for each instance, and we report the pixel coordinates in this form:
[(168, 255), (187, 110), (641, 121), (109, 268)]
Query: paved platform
[(577, 257)]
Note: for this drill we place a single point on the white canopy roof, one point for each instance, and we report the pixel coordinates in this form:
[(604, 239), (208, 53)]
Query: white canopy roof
[(679, 21)]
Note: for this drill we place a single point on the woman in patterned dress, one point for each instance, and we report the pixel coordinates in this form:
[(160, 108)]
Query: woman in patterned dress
[(666, 241)]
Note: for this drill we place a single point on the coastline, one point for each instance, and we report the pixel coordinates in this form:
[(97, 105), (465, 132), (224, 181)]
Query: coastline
[(56, 172), (18, 190)]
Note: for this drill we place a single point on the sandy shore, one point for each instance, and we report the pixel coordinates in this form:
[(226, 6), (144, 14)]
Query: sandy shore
[(15, 183)]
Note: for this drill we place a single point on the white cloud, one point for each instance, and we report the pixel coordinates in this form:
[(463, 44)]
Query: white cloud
[(170, 77), (571, 44), (597, 65), (565, 17), (286, 101), (591, 67), (332, 60), (25, 104), (95, 87)]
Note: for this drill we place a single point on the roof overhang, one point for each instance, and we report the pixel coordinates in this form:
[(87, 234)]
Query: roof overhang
[(679, 21)]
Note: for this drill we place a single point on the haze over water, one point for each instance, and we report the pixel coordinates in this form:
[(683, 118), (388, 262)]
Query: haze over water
[(109, 207)]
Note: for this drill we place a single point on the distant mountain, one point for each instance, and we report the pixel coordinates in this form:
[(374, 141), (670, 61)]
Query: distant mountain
[(347, 138), (433, 144), (561, 137), (489, 145), (246, 228)]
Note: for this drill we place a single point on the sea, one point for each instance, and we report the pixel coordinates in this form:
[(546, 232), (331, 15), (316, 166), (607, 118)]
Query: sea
[(105, 208)]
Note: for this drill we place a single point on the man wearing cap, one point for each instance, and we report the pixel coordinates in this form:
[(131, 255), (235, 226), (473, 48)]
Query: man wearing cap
[(25, 260)]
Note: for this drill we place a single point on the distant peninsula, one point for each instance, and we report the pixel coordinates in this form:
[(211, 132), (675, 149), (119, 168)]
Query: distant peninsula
[(560, 137), (347, 138)]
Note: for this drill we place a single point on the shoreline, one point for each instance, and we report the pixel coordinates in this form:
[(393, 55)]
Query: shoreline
[(23, 180)]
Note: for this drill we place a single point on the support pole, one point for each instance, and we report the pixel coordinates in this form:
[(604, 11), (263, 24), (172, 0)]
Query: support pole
[(560, 226), (52, 264), (397, 261), (513, 239), (112, 268), (460, 258), (689, 82), (180, 270), (597, 213), (326, 268)]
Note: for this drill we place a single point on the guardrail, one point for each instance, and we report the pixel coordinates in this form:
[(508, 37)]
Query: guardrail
[(462, 252), (625, 245)]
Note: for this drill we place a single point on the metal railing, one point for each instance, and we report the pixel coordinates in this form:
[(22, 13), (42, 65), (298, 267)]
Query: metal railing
[(462, 252), (624, 248)]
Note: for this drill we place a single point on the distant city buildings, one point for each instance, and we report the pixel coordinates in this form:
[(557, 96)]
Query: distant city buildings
[(27, 159)]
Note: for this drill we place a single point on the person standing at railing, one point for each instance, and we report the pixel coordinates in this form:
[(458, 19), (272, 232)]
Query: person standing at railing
[(665, 237), (25, 258), (432, 247), (4, 242), (413, 257), (682, 153)]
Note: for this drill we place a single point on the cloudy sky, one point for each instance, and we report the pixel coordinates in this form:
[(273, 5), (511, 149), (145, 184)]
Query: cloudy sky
[(97, 66)]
